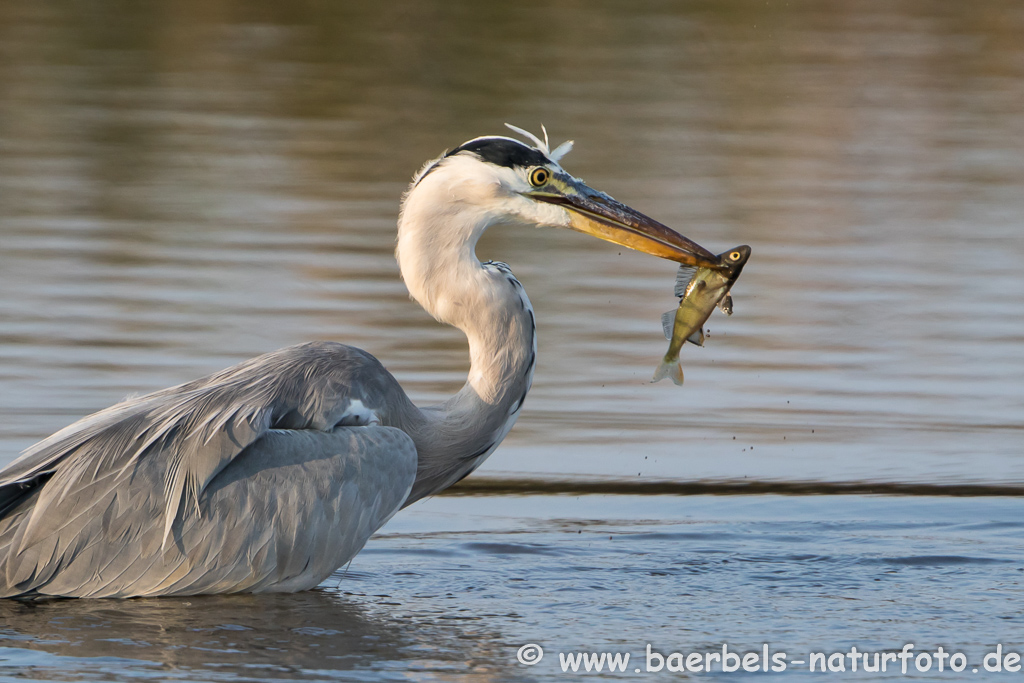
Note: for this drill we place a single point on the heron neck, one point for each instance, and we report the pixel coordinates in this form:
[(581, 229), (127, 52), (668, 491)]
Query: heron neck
[(489, 305)]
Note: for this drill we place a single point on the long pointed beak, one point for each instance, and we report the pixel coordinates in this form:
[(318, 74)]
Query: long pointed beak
[(597, 214)]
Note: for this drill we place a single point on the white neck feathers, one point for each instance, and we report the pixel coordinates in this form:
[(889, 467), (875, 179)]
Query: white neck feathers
[(436, 254)]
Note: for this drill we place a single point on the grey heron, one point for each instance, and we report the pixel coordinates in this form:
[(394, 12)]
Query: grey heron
[(272, 474)]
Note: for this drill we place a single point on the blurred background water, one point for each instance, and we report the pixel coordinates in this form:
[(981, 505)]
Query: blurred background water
[(186, 185)]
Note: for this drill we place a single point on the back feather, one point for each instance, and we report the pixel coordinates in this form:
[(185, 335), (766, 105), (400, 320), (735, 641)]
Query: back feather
[(185, 434)]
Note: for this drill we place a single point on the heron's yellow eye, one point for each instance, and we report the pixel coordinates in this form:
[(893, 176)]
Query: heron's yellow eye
[(735, 256), (539, 176)]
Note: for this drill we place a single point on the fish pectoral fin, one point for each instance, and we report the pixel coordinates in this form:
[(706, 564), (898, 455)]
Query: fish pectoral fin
[(683, 277), (697, 337), (725, 304), (668, 320)]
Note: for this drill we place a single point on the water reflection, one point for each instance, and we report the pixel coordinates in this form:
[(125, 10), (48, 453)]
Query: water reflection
[(456, 585), (314, 636), (186, 185)]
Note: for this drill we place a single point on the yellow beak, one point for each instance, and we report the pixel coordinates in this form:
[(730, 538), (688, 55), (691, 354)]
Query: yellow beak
[(597, 214)]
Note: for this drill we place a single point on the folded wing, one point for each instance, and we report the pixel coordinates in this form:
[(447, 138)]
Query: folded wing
[(143, 472)]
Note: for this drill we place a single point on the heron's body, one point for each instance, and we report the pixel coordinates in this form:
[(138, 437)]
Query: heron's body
[(270, 475)]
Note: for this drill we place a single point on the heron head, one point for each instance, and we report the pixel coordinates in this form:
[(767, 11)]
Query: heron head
[(503, 180)]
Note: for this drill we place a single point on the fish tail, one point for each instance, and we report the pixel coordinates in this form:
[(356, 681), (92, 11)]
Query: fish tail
[(671, 369)]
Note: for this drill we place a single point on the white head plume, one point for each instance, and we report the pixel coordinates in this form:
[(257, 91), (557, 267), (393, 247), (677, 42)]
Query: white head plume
[(556, 154)]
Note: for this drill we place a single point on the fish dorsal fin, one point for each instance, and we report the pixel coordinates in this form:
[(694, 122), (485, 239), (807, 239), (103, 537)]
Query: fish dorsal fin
[(668, 319), (683, 277), (697, 337)]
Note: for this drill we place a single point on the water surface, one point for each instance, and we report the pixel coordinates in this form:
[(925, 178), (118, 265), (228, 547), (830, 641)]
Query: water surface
[(187, 185), (452, 593)]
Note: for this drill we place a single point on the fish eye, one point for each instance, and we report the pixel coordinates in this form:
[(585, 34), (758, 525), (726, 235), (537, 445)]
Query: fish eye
[(539, 176), (735, 256)]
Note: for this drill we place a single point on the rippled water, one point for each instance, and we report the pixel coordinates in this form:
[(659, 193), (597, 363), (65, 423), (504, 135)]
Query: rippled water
[(186, 185), (455, 590)]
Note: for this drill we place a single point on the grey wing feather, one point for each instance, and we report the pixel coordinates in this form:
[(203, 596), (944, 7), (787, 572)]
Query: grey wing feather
[(295, 506), (182, 438)]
